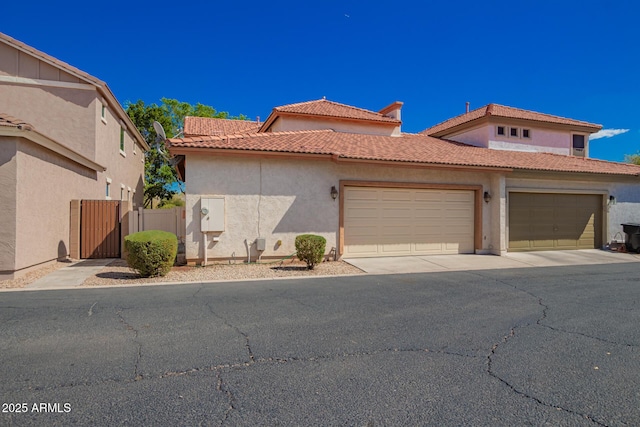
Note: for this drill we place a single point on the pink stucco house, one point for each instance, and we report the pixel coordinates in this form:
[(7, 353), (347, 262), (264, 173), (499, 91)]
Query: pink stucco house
[(63, 137), (492, 180)]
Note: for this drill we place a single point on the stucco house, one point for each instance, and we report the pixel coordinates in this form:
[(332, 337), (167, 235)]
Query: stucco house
[(63, 137), (490, 181)]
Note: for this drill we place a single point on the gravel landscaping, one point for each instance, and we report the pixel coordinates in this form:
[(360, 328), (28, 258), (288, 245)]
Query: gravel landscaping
[(118, 273)]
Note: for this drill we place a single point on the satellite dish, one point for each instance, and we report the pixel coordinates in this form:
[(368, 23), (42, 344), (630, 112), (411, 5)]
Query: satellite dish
[(159, 130)]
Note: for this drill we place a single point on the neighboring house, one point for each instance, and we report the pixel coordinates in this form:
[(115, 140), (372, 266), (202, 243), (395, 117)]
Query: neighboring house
[(506, 128), (63, 137), (352, 176)]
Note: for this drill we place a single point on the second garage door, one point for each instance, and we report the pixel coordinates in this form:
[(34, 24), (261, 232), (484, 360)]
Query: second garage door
[(542, 222), (397, 221)]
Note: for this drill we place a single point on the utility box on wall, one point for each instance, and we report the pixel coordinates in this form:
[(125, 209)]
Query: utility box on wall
[(212, 214)]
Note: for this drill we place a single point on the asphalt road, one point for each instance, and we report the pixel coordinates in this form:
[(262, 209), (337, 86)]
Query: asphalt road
[(540, 346)]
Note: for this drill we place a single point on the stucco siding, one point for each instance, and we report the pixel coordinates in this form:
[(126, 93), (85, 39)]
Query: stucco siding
[(287, 123), (626, 208), (8, 167), (46, 184), (126, 168), (542, 140), (63, 114), (280, 199), (477, 136)]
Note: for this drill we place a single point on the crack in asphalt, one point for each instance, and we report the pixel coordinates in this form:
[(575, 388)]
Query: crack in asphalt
[(129, 327), (511, 334), (221, 388), (564, 331)]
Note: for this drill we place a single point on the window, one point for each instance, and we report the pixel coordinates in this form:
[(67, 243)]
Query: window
[(108, 189), (122, 140), (134, 147), (513, 132), (121, 191), (103, 113), (578, 141), (578, 145), (500, 130), (526, 133)]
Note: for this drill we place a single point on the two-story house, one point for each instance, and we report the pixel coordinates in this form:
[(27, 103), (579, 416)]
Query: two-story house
[(63, 137), (492, 180)]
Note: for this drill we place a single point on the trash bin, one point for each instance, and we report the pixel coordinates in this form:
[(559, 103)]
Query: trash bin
[(632, 230)]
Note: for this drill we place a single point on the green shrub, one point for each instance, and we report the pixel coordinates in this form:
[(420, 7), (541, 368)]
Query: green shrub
[(151, 253), (310, 249)]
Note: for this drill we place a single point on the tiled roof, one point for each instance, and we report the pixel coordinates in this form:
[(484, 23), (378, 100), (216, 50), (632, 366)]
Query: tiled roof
[(323, 107), (10, 121), (194, 126), (413, 148), (497, 110)]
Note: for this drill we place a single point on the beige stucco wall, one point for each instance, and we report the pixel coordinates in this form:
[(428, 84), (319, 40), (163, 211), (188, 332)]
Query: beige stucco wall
[(293, 123), (46, 184), (279, 199), (123, 168), (8, 166)]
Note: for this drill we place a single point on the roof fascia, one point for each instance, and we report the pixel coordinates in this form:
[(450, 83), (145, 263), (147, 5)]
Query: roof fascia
[(223, 152), (580, 176)]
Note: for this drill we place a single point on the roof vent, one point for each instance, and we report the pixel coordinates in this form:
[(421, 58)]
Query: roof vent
[(467, 107)]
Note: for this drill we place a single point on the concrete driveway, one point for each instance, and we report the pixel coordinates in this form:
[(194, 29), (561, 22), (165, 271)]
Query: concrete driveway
[(435, 263)]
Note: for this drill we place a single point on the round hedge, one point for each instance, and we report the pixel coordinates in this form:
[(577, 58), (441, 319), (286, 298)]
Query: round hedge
[(151, 253)]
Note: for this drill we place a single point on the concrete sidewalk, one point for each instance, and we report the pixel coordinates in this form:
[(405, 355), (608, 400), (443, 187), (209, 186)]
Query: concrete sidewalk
[(70, 276), (75, 274), (434, 263)]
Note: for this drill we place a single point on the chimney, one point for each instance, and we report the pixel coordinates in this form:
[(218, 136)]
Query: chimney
[(467, 107), (393, 111), (258, 119)]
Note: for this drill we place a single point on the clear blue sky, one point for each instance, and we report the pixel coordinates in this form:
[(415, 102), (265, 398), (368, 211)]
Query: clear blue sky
[(578, 59)]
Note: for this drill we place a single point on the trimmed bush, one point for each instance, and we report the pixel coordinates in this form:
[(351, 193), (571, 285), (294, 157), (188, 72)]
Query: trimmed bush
[(151, 253), (310, 249)]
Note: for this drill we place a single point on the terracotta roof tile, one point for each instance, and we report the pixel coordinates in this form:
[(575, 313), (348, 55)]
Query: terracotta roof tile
[(195, 126), (10, 121), (323, 107), (497, 110), (414, 148)]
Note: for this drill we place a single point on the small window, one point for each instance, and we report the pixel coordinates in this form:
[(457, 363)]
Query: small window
[(103, 113), (500, 130), (122, 140), (134, 147), (513, 132), (122, 192), (108, 189), (578, 141), (526, 133)]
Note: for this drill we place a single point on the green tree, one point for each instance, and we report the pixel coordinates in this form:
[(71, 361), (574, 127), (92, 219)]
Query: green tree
[(632, 158), (160, 177)]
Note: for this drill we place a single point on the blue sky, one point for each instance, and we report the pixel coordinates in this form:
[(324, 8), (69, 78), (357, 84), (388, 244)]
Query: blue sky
[(577, 59)]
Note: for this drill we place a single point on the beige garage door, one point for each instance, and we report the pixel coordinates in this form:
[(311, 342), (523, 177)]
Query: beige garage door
[(394, 222), (542, 222)]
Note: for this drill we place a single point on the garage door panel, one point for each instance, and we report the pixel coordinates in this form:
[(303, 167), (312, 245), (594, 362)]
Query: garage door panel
[(408, 221), (554, 221)]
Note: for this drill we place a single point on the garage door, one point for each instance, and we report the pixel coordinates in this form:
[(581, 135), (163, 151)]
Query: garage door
[(542, 222), (395, 222)]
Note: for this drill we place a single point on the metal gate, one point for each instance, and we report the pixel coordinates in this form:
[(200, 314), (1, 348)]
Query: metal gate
[(100, 229)]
